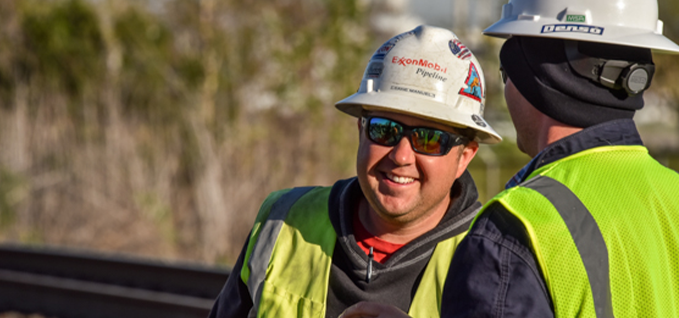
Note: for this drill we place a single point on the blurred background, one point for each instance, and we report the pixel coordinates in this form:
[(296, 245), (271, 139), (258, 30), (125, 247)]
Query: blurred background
[(156, 128)]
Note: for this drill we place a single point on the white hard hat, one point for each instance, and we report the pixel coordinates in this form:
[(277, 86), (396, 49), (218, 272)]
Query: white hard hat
[(427, 73), (619, 22)]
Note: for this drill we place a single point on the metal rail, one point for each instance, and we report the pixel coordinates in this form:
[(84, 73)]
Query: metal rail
[(58, 283)]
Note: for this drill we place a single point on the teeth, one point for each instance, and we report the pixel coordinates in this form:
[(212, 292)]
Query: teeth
[(397, 179)]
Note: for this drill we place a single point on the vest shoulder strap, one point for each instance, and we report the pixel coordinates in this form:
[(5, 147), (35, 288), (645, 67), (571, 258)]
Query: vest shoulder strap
[(586, 236)]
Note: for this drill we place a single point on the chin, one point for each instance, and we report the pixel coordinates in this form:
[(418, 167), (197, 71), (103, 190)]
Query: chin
[(394, 210)]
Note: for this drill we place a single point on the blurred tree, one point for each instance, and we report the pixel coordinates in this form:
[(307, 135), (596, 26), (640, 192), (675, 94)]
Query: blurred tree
[(9, 28), (151, 85), (63, 44)]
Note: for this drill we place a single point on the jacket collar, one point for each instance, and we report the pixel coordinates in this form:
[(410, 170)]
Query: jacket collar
[(620, 132)]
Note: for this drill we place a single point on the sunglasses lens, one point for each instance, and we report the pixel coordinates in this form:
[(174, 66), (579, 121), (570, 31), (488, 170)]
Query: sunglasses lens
[(423, 140), (384, 131), (429, 141)]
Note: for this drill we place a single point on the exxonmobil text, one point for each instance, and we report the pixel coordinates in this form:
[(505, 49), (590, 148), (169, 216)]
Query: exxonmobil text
[(418, 62)]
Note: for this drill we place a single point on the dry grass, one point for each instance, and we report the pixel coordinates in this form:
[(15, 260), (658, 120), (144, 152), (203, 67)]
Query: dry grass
[(128, 193)]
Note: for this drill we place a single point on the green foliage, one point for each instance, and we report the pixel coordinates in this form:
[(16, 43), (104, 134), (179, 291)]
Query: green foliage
[(191, 70), (7, 46), (63, 43), (150, 87), (668, 12)]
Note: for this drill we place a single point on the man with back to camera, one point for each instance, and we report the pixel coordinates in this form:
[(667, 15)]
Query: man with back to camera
[(387, 235), (589, 228)]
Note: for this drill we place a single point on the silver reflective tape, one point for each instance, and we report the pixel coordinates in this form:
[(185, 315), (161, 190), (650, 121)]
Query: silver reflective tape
[(261, 252)]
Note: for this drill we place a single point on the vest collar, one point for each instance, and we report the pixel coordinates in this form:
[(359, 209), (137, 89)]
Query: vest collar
[(620, 132)]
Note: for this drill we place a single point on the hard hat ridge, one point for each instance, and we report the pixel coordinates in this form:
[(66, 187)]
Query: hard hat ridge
[(429, 73)]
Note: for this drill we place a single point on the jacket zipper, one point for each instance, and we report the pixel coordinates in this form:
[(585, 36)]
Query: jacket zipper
[(369, 272)]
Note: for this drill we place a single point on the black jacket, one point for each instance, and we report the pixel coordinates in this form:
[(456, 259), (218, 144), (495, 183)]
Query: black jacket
[(393, 282)]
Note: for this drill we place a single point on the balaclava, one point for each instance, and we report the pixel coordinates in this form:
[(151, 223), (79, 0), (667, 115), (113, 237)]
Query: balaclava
[(539, 69)]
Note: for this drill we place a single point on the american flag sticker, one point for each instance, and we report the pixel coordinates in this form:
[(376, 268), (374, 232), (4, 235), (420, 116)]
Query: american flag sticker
[(459, 49)]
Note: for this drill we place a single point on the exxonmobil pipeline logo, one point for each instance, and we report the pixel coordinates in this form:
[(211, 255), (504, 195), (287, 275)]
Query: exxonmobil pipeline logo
[(405, 61)]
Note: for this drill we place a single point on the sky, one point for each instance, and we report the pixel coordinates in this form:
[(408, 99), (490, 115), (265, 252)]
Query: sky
[(457, 15)]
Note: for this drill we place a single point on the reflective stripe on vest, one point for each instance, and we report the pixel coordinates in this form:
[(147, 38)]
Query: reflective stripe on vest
[(261, 253), (586, 235), (273, 269)]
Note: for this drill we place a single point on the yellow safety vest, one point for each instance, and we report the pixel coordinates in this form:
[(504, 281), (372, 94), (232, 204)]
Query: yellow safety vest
[(289, 257), (604, 227)]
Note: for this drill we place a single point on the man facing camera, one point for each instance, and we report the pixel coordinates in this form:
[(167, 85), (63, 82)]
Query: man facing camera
[(388, 234)]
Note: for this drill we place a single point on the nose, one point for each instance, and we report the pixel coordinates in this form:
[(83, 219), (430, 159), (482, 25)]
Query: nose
[(402, 153)]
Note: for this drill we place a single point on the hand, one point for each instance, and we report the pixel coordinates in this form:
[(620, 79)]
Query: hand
[(366, 309)]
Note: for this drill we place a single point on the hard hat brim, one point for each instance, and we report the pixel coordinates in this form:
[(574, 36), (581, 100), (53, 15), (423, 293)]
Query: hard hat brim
[(615, 36), (429, 110)]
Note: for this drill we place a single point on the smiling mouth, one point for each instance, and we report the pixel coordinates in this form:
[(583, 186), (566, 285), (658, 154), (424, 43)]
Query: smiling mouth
[(399, 180)]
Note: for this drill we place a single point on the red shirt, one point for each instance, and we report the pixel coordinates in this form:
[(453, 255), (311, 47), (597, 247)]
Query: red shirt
[(382, 249)]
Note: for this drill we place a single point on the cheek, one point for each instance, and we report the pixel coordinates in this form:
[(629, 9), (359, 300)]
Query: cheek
[(441, 172), (363, 149), (436, 169), (366, 156)]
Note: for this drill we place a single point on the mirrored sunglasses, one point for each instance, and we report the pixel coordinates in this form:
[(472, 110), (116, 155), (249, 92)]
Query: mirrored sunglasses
[(424, 140)]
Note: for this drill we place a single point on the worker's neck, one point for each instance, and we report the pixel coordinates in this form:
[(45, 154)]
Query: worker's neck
[(552, 131)]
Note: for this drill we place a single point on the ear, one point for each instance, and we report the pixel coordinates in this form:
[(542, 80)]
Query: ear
[(466, 156)]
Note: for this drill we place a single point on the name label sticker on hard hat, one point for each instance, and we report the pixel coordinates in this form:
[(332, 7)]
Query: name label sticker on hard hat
[(474, 90), (577, 28), (576, 18), (412, 90), (459, 49)]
